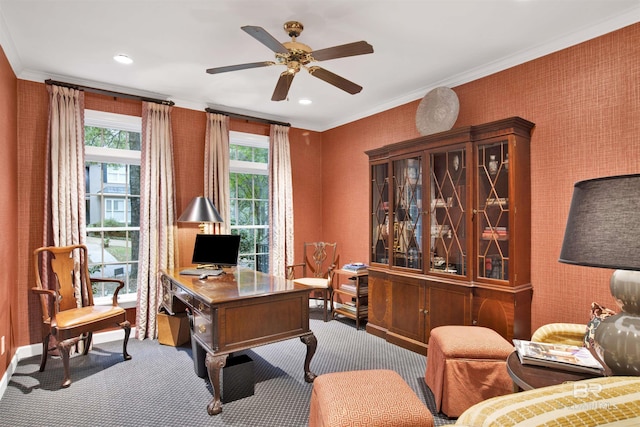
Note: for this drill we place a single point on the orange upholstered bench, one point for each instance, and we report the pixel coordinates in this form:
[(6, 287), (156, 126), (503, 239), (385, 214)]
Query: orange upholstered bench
[(466, 365), (372, 398)]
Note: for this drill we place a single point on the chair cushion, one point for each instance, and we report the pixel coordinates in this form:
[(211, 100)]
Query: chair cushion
[(314, 282), (86, 315)]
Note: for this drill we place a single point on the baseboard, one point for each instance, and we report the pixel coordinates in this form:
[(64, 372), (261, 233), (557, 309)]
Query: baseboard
[(31, 350)]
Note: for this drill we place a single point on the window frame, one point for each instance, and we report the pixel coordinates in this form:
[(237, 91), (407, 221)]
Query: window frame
[(245, 167), (95, 118)]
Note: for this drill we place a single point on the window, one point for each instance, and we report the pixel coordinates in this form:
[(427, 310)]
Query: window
[(112, 176), (249, 185)]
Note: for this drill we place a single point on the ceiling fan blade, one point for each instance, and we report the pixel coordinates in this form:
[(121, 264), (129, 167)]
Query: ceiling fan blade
[(218, 70), (265, 38), (334, 79), (350, 49), (282, 87)]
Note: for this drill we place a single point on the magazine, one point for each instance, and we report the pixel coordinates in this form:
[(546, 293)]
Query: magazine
[(558, 356)]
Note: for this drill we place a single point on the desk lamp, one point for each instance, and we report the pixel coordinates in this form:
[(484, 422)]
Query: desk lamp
[(200, 210), (603, 230)]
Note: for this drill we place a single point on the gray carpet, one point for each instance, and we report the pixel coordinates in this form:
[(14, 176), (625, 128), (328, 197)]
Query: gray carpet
[(159, 387)]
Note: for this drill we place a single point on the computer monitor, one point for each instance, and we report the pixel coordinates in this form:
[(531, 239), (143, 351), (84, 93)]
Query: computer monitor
[(218, 250)]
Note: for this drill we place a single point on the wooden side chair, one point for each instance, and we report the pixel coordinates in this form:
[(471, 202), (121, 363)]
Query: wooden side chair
[(68, 312), (320, 261)]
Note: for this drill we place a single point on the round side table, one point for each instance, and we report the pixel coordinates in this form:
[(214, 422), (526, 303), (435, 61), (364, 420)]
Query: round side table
[(529, 377)]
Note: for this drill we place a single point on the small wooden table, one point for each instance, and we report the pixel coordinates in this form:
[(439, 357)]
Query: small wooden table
[(529, 377), (239, 310)]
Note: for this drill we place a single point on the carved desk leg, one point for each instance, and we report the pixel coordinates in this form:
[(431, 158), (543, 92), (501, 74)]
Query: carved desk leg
[(214, 364), (311, 342)]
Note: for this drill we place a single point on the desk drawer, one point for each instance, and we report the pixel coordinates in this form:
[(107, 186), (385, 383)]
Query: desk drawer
[(202, 308), (183, 295), (204, 330)]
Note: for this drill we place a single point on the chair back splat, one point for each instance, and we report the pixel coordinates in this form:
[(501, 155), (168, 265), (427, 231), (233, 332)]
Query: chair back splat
[(69, 315)]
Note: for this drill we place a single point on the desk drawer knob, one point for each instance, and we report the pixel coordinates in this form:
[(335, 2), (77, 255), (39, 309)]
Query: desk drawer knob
[(202, 328), (166, 297)]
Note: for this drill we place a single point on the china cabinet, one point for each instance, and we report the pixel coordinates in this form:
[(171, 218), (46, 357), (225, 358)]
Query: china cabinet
[(450, 233)]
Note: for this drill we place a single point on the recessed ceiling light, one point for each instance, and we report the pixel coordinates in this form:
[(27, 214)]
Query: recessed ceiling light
[(123, 59), (304, 101)]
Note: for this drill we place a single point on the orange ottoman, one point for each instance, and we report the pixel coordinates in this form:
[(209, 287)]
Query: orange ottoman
[(466, 365), (365, 398)]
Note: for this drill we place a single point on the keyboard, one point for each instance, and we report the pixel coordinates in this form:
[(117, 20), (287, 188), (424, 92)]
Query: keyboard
[(200, 271)]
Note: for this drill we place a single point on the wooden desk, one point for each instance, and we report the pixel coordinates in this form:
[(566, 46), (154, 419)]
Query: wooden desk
[(237, 311), (529, 377)]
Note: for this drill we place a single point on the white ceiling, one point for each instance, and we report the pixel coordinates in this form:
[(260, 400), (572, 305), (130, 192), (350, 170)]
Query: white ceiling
[(418, 45)]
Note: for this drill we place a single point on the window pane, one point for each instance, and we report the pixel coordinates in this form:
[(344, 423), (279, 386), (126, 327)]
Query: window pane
[(111, 138), (261, 212), (245, 186), (261, 155), (261, 183), (245, 212), (244, 153), (112, 208)]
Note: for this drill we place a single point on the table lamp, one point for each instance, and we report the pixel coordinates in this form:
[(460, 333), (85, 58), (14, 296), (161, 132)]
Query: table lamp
[(603, 230), (201, 210)]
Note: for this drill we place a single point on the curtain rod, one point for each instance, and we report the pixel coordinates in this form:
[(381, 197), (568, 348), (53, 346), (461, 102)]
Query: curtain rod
[(250, 118), (108, 92)]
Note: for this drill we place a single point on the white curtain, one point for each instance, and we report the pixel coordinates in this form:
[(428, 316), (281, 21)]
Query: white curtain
[(157, 214), (64, 173), (64, 208), (281, 201), (216, 168)]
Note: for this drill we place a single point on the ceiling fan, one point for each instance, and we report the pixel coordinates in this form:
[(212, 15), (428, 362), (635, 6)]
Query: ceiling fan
[(297, 55)]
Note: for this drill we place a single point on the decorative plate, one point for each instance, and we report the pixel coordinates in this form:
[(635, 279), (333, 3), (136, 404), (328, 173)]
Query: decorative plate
[(437, 111)]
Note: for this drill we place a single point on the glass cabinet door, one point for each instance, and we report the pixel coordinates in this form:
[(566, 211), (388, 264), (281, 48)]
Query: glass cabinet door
[(380, 214), (493, 210), (407, 211), (448, 212)]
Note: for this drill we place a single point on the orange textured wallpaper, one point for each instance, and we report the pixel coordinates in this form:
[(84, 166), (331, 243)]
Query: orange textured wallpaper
[(585, 102), (8, 210)]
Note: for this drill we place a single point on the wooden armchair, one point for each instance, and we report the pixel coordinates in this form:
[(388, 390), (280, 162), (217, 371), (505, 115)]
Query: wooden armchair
[(68, 312), (320, 261)]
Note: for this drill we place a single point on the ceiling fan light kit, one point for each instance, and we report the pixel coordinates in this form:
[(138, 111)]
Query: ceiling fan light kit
[(295, 56)]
